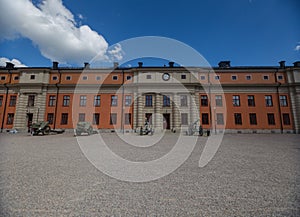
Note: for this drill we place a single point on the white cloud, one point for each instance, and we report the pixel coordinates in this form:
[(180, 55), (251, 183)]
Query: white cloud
[(297, 48), (16, 62), (52, 27)]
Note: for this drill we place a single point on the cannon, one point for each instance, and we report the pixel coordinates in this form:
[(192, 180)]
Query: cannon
[(84, 127), (40, 127)]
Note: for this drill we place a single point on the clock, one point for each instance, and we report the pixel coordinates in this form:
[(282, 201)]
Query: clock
[(166, 76)]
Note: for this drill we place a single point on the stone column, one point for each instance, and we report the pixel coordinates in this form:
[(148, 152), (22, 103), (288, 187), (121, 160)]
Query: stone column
[(175, 111), (158, 113), (140, 110)]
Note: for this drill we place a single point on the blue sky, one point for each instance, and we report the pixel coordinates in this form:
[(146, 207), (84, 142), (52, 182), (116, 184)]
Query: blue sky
[(246, 32)]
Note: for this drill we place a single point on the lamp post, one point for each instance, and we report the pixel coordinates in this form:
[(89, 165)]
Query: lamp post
[(215, 114)]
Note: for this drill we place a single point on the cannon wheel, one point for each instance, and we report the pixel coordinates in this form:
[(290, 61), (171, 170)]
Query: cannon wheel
[(46, 131)]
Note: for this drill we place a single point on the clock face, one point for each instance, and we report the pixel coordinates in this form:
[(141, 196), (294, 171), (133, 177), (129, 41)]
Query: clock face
[(166, 76)]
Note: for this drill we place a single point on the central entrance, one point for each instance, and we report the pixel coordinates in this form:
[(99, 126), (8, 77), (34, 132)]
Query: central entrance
[(166, 121)]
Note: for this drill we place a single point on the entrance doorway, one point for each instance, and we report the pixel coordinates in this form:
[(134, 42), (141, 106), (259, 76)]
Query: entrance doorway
[(29, 121), (166, 121)]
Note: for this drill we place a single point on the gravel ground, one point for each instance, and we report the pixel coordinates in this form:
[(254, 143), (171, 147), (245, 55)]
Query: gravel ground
[(250, 175)]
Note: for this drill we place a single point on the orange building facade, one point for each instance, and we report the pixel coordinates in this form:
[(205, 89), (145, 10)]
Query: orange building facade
[(223, 98)]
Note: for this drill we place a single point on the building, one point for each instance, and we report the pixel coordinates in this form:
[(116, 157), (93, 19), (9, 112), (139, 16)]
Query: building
[(234, 99)]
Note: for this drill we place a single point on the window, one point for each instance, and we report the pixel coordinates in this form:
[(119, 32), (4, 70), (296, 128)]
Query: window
[(233, 77), (84, 78), (220, 118), (52, 100), (114, 100), (238, 118), (1, 100), (50, 118), (32, 77), (205, 119), (64, 119), (166, 101), (97, 101), (183, 76), (202, 77), (16, 78), (204, 100), (96, 118), (81, 117), (266, 77), (115, 77), (279, 77), (54, 78), (251, 101), (283, 100), (148, 77), (12, 101), (286, 119), (183, 100), (236, 100), (184, 118), (127, 100), (268, 100), (98, 78), (3, 78), (127, 118), (252, 118), (271, 119), (248, 77), (68, 77), (128, 77), (82, 101), (113, 118), (10, 118), (219, 101), (30, 102), (148, 100), (66, 100), (217, 77)]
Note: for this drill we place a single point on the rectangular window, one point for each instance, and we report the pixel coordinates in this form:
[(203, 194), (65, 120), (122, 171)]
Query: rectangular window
[(81, 117), (113, 119), (283, 101), (66, 100), (204, 100), (82, 101), (252, 118), (32, 77), (1, 100), (219, 101), (233, 77), (205, 119), (217, 77), (128, 77), (248, 77), (3, 78), (220, 119), (115, 77), (266, 77), (280, 77), (271, 119), (98, 78), (12, 101), (30, 102), (202, 77), (183, 77), (64, 119), (148, 100), (16, 78), (128, 100), (251, 101), (286, 119), (50, 118), (84, 78), (97, 101), (96, 118), (166, 101), (269, 101), (183, 100), (184, 118), (148, 77), (114, 100), (54, 78), (127, 118), (236, 100), (52, 100), (238, 118), (68, 78), (10, 118)]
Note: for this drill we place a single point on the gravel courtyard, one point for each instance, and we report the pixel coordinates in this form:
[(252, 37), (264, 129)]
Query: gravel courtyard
[(250, 175)]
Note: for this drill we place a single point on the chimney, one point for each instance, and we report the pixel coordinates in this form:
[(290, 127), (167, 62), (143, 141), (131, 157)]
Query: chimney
[(297, 64), (282, 64), (116, 65), (224, 64), (171, 64), (9, 65), (140, 64), (54, 65), (86, 65)]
